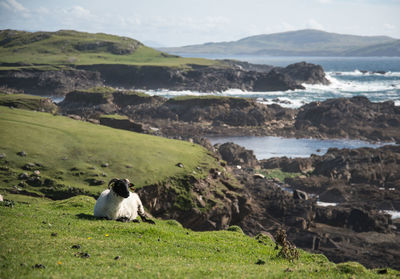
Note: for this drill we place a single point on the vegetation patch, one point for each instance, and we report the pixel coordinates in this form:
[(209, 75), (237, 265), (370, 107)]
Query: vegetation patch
[(78, 152), (24, 101), (114, 116), (278, 174), (62, 239), (19, 49)]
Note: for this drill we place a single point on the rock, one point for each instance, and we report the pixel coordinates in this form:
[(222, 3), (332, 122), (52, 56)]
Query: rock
[(124, 124), (349, 118), (260, 262), (22, 153), (104, 165), (1, 198), (39, 266), (235, 154), (303, 72), (23, 176), (82, 255), (29, 166), (34, 181), (180, 165), (36, 172), (2, 155), (76, 246), (335, 194), (95, 182), (302, 165), (300, 195)]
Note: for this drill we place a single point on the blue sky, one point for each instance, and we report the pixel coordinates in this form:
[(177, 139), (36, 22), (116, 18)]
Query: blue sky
[(183, 22)]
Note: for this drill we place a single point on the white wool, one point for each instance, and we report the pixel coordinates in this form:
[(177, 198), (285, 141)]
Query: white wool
[(113, 206)]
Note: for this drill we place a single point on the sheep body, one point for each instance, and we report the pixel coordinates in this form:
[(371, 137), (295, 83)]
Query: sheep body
[(112, 206)]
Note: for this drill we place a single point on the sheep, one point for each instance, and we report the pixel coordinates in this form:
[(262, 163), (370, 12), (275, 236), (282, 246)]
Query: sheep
[(118, 203)]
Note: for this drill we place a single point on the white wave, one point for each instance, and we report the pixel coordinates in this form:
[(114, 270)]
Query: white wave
[(358, 73), (350, 86), (325, 204)]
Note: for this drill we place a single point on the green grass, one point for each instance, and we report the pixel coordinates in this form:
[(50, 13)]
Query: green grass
[(278, 174), (163, 250), (56, 49), (24, 101), (71, 152), (115, 116)]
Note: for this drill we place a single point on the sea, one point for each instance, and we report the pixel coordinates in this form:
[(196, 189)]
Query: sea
[(377, 78)]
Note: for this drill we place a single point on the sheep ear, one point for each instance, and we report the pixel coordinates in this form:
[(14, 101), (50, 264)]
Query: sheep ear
[(132, 186), (112, 181)]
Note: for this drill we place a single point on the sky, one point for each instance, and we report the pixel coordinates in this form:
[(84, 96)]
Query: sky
[(186, 22)]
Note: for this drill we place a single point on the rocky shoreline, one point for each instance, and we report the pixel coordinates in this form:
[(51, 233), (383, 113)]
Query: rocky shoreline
[(189, 116), (230, 74), (362, 182)]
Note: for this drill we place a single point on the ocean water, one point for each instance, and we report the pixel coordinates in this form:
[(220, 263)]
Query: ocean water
[(346, 75), (267, 147)]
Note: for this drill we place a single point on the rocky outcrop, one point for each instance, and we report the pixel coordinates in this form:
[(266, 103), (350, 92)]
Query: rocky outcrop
[(355, 117), (363, 176), (219, 78), (306, 73), (124, 124), (237, 155), (351, 231), (201, 204), (49, 83), (302, 165), (190, 116), (244, 76)]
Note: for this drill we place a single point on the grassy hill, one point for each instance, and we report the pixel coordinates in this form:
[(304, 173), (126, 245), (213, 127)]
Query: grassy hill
[(73, 155), (37, 239), (389, 49), (71, 48), (303, 42), (37, 234)]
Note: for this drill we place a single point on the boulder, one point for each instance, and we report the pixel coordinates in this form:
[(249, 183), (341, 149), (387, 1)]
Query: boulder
[(235, 154)]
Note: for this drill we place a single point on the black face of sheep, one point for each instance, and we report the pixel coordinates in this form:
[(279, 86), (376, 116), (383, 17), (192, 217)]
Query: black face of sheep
[(120, 187)]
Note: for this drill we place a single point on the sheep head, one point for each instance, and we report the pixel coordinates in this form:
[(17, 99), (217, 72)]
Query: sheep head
[(120, 186)]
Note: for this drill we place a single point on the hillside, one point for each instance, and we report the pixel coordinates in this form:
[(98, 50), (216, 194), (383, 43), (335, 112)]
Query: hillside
[(80, 157), (61, 239), (295, 43), (67, 48), (388, 49), (55, 63)]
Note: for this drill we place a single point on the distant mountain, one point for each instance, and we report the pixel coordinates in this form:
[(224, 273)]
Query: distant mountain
[(387, 49), (299, 43)]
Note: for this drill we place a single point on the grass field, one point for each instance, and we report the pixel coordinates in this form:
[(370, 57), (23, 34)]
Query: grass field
[(42, 233), (71, 48), (71, 153), (25, 101), (37, 234)]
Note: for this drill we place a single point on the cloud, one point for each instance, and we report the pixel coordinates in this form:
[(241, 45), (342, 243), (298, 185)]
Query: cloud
[(13, 5), (324, 1), (42, 11), (287, 27), (313, 24), (78, 11), (389, 26)]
